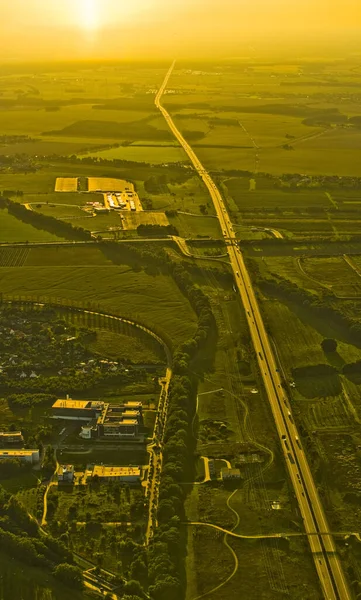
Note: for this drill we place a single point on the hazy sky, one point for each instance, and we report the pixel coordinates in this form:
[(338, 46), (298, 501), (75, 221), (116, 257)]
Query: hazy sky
[(141, 28)]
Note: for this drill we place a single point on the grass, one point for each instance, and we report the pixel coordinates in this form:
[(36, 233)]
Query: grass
[(18, 580), (13, 230), (125, 455), (71, 198), (154, 299), (123, 347)]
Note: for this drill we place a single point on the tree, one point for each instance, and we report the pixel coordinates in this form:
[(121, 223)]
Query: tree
[(70, 575), (329, 345)]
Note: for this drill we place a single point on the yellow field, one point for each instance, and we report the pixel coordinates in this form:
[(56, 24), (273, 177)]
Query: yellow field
[(66, 184), (105, 184), (133, 219)]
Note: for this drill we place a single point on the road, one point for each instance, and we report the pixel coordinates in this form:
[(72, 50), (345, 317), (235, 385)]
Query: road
[(326, 560)]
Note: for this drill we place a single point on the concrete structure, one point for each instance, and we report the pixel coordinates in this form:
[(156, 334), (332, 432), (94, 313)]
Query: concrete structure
[(123, 428), (29, 456), (87, 432), (121, 474), (11, 437), (230, 474), (77, 410), (65, 473), (112, 421)]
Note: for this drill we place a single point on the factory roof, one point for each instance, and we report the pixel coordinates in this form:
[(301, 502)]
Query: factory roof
[(15, 453), (102, 471), (76, 404)]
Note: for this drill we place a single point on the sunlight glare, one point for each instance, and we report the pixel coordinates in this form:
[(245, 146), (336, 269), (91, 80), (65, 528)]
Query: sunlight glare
[(89, 14)]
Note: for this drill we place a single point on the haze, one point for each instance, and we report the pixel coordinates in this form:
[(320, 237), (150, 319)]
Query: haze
[(154, 28)]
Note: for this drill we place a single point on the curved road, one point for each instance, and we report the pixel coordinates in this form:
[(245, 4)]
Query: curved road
[(327, 563)]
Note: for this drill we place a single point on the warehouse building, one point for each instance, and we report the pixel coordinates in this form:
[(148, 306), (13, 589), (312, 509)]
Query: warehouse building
[(29, 456), (115, 421)]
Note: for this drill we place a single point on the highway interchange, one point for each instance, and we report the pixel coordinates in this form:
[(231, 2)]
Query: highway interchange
[(327, 562)]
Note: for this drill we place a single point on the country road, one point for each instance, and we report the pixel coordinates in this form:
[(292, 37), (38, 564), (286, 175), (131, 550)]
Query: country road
[(326, 560)]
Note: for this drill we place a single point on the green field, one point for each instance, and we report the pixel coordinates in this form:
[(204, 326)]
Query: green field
[(154, 299), (149, 154), (123, 347), (13, 230)]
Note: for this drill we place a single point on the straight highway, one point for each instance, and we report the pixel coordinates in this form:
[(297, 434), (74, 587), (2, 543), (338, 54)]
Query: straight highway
[(327, 562)]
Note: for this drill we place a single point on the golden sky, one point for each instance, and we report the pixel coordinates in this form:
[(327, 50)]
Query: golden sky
[(123, 28)]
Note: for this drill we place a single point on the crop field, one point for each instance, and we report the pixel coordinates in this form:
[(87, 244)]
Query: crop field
[(66, 184), (108, 184), (289, 267), (37, 122), (61, 256), (13, 257), (336, 273), (133, 219), (154, 299), (148, 154), (47, 147), (13, 230), (284, 200), (190, 226)]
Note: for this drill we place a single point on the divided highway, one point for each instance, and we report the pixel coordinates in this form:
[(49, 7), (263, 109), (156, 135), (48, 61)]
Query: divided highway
[(327, 562)]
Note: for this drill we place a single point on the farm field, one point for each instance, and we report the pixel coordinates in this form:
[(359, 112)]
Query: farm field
[(13, 230), (64, 256), (106, 184), (335, 273), (154, 299), (133, 219), (148, 154), (261, 196), (66, 184), (190, 226)]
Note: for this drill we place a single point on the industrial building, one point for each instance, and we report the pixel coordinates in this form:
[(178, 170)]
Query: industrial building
[(11, 437), (65, 473), (77, 410), (121, 474), (29, 456), (230, 474), (115, 421)]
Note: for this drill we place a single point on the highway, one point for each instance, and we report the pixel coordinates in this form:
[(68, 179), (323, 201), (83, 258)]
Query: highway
[(326, 560)]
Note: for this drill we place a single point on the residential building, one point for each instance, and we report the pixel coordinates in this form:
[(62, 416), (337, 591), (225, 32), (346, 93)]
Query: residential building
[(30, 456)]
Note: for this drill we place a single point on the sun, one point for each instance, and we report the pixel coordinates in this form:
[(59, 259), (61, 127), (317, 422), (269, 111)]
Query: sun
[(89, 15)]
